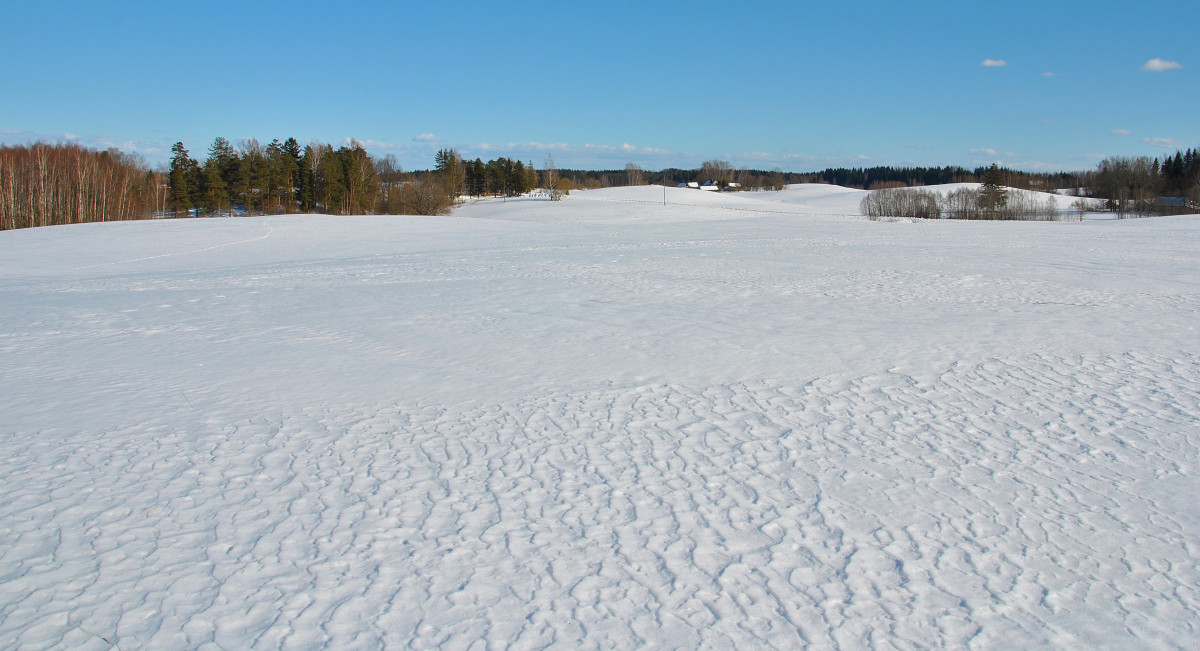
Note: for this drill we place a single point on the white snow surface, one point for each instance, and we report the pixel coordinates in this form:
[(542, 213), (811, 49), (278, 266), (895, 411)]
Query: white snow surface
[(730, 421)]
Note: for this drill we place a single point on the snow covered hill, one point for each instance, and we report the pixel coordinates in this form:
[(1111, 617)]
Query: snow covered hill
[(727, 421)]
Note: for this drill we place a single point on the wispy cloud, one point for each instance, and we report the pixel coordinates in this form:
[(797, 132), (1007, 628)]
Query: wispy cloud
[(16, 136), (984, 151), (1160, 65), (1120, 132), (1049, 74), (386, 145), (1166, 143), (994, 63), (426, 137), (604, 156)]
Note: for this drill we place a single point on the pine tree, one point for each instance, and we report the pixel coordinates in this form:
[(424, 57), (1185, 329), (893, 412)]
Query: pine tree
[(992, 196), (182, 179), (332, 183), (449, 165), (476, 178), (215, 198), (291, 150), (304, 191), (223, 155)]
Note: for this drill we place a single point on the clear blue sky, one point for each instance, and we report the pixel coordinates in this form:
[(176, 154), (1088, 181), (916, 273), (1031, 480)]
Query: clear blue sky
[(798, 85)]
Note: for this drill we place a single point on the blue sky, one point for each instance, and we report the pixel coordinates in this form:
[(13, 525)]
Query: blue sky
[(802, 86)]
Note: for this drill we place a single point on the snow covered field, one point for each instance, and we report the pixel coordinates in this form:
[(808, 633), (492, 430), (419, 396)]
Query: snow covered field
[(730, 421)]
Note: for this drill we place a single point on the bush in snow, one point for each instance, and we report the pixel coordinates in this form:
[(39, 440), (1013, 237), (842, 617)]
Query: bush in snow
[(963, 203), (901, 202)]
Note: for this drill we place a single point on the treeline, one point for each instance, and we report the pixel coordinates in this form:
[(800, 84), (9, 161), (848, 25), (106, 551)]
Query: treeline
[(500, 177), (1142, 185), (282, 177), (863, 178), (990, 201), (278, 178), (42, 184), (713, 170), (46, 185)]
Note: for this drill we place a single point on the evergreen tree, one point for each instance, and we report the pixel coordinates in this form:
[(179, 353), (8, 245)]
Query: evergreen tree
[(531, 177), (362, 186), (992, 196), (291, 151), (449, 166), (330, 183), (304, 191), (281, 171), (517, 178), (183, 179), (224, 157), (494, 177), (214, 197), (254, 176), (476, 178)]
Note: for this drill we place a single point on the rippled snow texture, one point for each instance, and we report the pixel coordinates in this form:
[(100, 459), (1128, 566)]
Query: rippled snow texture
[(1029, 496)]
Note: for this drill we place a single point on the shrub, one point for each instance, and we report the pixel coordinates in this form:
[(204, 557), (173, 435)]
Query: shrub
[(901, 202), (963, 203)]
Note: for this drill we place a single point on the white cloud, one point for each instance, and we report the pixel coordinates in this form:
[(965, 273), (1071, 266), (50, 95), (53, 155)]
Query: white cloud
[(1160, 65), (984, 151), (1166, 143), (1049, 74), (386, 145), (994, 63), (1120, 132), (426, 137)]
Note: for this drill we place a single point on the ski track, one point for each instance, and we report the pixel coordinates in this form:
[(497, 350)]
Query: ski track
[(1035, 501)]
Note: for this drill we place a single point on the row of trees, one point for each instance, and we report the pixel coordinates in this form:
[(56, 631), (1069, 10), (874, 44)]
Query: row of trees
[(962, 203), (1141, 185), (282, 177), (991, 200), (870, 178), (277, 178), (45, 185)]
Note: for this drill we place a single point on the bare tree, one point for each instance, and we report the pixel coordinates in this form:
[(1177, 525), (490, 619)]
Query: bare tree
[(633, 174), (777, 180), (1127, 183), (717, 170), (551, 180), (42, 185)]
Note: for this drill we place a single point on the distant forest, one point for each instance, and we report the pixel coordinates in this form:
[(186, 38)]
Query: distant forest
[(862, 178), (49, 184)]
